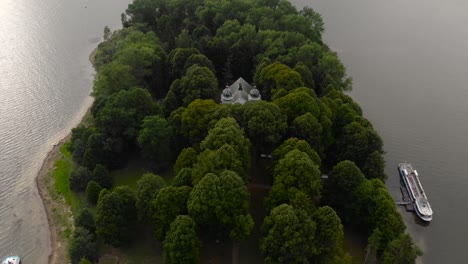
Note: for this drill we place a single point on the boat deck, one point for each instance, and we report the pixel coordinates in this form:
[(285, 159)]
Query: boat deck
[(415, 190)]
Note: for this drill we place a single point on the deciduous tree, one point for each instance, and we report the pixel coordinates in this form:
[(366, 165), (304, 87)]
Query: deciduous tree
[(181, 244), (156, 140), (288, 236), (216, 203), (166, 206), (116, 216), (147, 188)]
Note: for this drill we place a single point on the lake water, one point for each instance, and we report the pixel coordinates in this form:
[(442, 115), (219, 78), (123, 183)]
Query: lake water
[(410, 67), (45, 80)]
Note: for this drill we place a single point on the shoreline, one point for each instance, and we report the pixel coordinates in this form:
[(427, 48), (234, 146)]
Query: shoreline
[(58, 244)]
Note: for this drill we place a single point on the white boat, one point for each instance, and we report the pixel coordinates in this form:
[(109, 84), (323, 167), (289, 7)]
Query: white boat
[(11, 260), (416, 192)]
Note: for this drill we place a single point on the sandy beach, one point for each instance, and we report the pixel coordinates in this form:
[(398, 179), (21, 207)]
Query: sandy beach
[(56, 207), (44, 180)]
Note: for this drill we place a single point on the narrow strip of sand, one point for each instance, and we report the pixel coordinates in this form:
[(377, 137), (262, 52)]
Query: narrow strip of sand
[(57, 206), (58, 244)]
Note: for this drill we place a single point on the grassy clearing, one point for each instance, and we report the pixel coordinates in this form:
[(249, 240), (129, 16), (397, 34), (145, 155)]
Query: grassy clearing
[(63, 168), (129, 175), (142, 249), (135, 168)]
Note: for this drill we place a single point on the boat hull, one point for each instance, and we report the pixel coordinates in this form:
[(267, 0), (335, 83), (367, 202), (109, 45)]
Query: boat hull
[(416, 192), (11, 260)]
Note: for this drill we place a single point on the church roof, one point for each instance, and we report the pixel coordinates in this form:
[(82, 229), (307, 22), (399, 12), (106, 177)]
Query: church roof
[(240, 91)]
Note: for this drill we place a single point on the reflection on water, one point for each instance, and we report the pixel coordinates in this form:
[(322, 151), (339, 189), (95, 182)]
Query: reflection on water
[(45, 79)]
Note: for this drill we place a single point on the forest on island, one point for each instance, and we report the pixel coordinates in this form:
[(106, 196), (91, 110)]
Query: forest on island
[(157, 98)]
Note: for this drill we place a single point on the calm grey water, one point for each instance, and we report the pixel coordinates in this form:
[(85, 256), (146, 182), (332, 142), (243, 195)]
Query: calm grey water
[(45, 80), (409, 62)]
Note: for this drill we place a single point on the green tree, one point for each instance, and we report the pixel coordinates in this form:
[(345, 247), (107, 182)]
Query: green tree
[(102, 149), (84, 261), (200, 60), (228, 131), (183, 178), (82, 245), (306, 74), (177, 59), (358, 143), (374, 208), (181, 244), (278, 76), (187, 158), (112, 78), (85, 219), (166, 206), (333, 72), (198, 83), (79, 178), (308, 128), (294, 173), (401, 251), (92, 191), (374, 166), (156, 140), (147, 188), (195, 118), (296, 169), (288, 236), (329, 235), (102, 176), (294, 143), (123, 113), (340, 186), (78, 142), (216, 203), (265, 124), (298, 103), (224, 158), (116, 216)]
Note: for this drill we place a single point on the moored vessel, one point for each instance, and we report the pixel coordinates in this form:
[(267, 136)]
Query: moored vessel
[(416, 192), (11, 260)]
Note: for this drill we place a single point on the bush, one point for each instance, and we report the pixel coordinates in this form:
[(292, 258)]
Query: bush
[(92, 192), (84, 261), (85, 220), (82, 245), (79, 178)]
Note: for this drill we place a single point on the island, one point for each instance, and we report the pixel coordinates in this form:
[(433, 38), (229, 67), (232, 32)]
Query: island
[(221, 132)]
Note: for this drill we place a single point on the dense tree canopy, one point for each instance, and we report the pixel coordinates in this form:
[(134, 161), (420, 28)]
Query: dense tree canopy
[(157, 88)]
